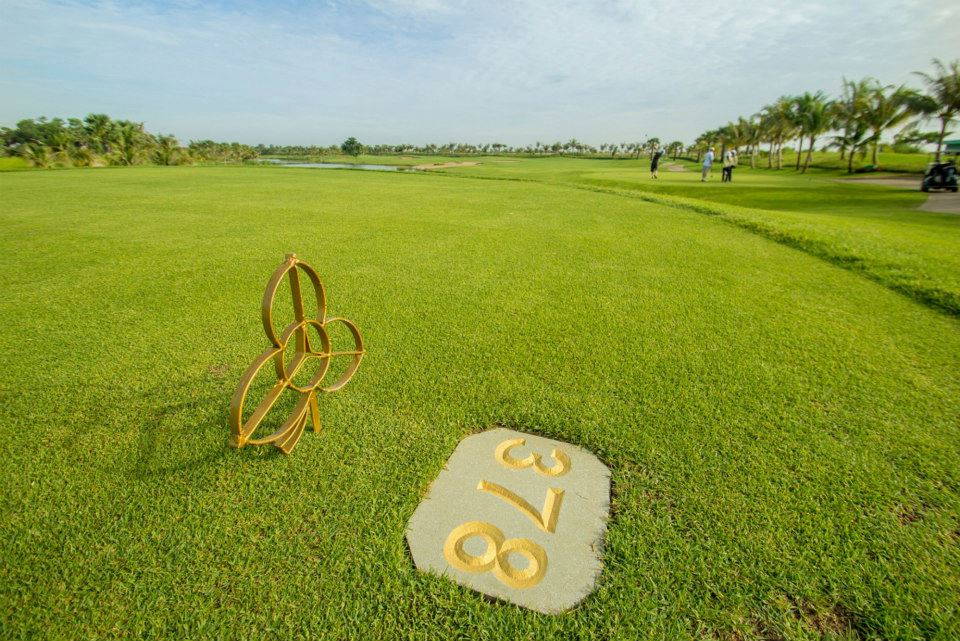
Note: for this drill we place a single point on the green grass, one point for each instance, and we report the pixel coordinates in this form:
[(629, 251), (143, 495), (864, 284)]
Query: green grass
[(876, 231), (782, 432), (13, 163)]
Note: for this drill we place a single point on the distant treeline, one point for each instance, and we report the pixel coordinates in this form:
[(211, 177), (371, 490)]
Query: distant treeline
[(572, 147), (98, 140)]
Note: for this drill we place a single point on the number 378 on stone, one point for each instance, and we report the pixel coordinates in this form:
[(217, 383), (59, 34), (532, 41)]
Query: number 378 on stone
[(518, 517)]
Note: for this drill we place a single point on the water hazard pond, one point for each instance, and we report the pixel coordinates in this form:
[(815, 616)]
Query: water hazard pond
[(332, 165)]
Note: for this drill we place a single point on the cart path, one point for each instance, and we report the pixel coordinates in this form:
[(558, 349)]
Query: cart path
[(938, 201)]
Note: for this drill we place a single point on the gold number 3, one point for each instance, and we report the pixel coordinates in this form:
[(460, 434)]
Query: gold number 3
[(502, 455), (495, 556)]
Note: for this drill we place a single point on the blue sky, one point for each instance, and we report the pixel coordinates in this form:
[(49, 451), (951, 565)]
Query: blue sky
[(450, 70)]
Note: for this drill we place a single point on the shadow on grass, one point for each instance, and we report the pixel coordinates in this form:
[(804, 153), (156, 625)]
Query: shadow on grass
[(185, 427), (181, 430)]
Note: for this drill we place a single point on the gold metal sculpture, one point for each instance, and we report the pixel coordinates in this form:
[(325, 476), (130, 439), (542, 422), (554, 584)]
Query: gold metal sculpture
[(286, 437)]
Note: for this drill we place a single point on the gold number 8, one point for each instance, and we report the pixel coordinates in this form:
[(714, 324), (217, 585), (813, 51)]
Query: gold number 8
[(495, 556)]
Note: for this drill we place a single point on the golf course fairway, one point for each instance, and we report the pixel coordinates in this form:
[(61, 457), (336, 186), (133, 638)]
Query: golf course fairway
[(782, 430)]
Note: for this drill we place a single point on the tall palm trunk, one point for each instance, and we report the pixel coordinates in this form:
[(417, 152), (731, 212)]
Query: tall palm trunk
[(806, 163), (770, 156), (943, 127), (799, 152), (850, 161), (875, 156)]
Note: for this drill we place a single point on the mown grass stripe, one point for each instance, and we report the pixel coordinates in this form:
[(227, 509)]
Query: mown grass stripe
[(890, 275)]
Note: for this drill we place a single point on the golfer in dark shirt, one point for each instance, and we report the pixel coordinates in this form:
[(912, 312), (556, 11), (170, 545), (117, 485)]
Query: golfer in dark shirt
[(655, 162)]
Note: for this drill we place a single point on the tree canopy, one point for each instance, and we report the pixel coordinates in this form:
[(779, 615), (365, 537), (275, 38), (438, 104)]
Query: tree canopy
[(98, 140), (352, 147)]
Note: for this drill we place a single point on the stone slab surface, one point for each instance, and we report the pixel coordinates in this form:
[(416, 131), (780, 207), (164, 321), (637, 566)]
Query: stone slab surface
[(518, 517)]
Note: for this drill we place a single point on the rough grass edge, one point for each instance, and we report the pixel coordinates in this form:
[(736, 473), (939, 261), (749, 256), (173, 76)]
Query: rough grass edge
[(887, 274)]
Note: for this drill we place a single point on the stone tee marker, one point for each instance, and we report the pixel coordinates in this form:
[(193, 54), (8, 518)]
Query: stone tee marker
[(518, 517)]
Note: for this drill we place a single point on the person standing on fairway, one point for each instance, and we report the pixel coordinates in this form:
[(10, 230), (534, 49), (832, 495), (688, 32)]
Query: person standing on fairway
[(729, 162), (655, 156), (707, 164)]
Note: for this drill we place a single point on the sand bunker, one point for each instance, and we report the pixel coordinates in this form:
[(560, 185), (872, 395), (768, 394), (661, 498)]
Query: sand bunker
[(445, 165), (675, 167)]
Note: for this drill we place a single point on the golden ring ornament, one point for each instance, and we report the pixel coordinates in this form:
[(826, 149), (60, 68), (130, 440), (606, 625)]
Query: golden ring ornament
[(287, 435)]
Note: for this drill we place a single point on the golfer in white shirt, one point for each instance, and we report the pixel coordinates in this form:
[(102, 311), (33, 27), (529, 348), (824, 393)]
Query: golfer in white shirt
[(707, 164)]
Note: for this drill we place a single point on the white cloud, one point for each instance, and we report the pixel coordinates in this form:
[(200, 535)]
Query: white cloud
[(440, 70), (413, 7)]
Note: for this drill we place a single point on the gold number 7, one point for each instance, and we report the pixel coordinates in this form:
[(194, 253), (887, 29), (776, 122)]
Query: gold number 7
[(546, 519)]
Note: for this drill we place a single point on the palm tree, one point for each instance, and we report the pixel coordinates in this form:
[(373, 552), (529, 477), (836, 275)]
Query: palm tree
[(849, 118), (806, 112), (131, 141), (37, 155), (886, 107), (99, 128), (750, 134), (704, 141), (943, 98), (82, 156), (168, 148), (768, 127), (784, 106), (848, 110), (730, 136), (796, 125), (818, 118), (651, 144), (778, 122)]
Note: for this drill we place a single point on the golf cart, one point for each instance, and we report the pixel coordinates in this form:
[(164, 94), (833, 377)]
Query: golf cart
[(943, 175)]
